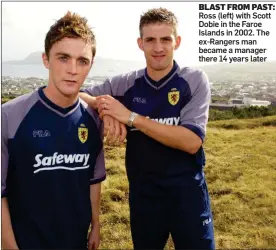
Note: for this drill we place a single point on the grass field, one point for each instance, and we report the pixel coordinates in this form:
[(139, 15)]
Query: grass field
[(241, 176)]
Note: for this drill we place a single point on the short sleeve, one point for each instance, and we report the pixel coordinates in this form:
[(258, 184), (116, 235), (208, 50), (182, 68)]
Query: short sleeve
[(4, 154), (194, 115)]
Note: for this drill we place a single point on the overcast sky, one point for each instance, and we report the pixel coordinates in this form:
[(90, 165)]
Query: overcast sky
[(115, 24)]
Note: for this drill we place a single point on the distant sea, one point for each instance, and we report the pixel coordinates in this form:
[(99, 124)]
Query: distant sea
[(39, 71), (24, 71)]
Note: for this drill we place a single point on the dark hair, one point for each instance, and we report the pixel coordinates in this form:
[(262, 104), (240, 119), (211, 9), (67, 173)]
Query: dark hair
[(158, 15), (71, 25)]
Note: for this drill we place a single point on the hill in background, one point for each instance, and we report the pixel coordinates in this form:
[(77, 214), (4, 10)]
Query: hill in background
[(106, 66)]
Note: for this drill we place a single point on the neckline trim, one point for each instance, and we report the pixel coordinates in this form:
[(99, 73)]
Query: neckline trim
[(54, 107), (163, 81)]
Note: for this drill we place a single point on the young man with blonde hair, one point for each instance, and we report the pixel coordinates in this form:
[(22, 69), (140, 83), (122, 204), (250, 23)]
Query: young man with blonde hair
[(166, 109), (52, 151)]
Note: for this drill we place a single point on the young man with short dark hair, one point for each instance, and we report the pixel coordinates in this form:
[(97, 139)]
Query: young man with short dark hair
[(166, 109), (52, 151)]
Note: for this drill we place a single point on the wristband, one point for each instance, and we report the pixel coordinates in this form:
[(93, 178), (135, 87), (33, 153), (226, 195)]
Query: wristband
[(131, 119)]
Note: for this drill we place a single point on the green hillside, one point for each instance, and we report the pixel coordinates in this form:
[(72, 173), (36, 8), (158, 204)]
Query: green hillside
[(241, 174)]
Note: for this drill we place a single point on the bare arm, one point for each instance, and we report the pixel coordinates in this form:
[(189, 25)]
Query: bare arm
[(113, 129), (95, 193), (8, 238), (96, 177), (176, 137), (188, 135), (90, 100), (172, 136), (94, 237)]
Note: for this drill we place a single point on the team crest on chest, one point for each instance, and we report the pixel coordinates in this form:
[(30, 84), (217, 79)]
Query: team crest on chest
[(173, 96), (83, 133)]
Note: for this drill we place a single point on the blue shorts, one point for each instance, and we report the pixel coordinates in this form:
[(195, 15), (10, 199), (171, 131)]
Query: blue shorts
[(185, 214)]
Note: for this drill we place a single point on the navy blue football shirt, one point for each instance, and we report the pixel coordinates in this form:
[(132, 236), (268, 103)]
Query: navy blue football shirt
[(181, 98), (50, 157)]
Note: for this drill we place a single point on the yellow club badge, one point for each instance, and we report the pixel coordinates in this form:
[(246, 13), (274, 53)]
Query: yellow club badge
[(83, 133), (173, 96)]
